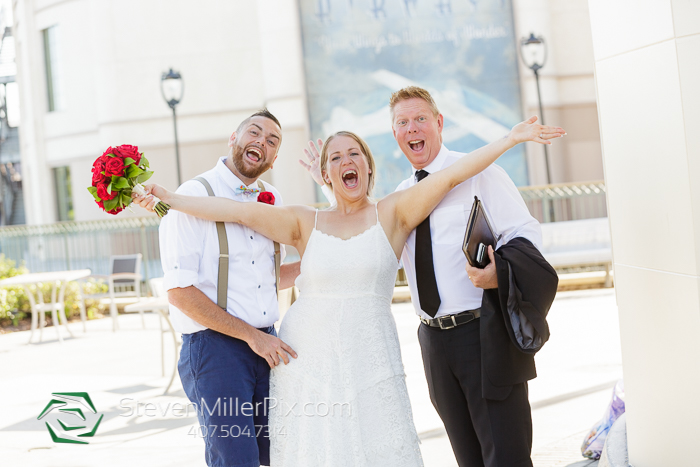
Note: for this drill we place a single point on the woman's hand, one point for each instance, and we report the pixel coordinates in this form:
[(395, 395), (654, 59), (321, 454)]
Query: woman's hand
[(531, 131), (148, 202), (314, 165)]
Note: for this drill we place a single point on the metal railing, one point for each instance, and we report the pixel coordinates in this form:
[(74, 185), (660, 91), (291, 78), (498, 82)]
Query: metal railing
[(566, 201), (560, 202), (83, 245), (89, 244)]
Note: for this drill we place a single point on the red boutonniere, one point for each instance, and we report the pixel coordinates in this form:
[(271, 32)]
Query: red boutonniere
[(266, 197)]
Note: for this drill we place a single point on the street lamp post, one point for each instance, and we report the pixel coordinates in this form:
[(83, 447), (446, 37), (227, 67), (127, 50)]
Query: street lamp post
[(533, 52), (172, 87)]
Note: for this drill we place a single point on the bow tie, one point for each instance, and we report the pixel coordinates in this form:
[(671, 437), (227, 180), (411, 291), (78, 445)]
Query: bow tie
[(244, 190)]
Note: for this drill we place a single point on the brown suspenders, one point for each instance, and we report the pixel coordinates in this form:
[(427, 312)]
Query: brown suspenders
[(277, 253), (223, 254)]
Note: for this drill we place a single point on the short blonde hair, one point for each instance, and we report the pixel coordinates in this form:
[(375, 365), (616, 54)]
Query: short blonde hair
[(411, 92), (363, 147)]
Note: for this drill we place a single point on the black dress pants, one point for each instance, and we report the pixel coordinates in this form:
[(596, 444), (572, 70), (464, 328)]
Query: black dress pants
[(483, 432)]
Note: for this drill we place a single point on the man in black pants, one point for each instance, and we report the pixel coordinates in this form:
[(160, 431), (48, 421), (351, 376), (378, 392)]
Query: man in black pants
[(477, 375)]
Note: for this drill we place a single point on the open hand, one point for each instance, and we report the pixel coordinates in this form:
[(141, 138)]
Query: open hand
[(314, 165), (484, 278), (271, 348), (531, 131), (148, 202)]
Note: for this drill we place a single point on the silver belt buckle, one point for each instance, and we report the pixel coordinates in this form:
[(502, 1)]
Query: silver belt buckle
[(442, 319)]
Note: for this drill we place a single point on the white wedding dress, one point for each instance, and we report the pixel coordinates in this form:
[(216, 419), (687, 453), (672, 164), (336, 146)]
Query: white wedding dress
[(343, 401)]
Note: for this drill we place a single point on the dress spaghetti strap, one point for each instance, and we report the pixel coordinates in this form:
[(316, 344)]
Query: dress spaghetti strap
[(316, 220), (376, 210)]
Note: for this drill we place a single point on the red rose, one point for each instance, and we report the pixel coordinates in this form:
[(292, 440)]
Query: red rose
[(98, 168), (127, 150), (266, 197), (103, 194), (99, 164), (97, 177), (114, 166), (110, 150)]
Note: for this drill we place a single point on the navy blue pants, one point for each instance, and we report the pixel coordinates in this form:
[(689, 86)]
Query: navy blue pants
[(229, 384)]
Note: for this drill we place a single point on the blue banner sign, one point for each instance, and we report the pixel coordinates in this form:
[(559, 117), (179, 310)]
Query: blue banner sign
[(357, 52)]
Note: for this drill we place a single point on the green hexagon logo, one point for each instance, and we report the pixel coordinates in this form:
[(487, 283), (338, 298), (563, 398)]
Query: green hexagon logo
[(70, 416)]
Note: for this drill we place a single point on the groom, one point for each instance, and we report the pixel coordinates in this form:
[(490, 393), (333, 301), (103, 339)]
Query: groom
[(227, 352)]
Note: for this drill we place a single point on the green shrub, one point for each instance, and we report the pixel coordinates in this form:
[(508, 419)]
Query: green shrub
[(92, 306), (13, 300), (15, 305)]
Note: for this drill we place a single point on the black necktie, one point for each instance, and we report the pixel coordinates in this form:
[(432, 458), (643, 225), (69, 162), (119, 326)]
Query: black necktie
[(428, 295)]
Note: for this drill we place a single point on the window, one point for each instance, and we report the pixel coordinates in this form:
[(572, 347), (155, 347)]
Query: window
[(12, 103), (50, 36), (64, 196)]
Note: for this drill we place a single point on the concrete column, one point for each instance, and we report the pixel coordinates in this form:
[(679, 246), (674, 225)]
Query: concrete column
[(285, 95), (33, 102), (647, 66)]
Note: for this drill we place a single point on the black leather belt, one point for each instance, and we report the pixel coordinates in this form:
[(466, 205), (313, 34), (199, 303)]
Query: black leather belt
[(452, 321)]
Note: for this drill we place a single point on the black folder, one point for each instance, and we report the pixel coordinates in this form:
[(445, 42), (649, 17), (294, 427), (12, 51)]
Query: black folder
[(478, 237)]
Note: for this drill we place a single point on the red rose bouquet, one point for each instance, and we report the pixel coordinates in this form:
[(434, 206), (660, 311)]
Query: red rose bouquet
[(118, 172)]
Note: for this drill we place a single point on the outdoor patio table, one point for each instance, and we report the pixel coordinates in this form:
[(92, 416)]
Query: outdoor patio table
[(55, 278), (160, 305)]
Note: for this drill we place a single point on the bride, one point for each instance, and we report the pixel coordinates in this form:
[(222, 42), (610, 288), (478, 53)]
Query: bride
[(343, 401)]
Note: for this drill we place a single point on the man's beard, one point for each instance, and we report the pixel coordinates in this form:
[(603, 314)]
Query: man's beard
[(237, 155)]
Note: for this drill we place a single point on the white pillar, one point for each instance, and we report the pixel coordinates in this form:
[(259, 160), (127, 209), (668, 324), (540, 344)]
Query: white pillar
[(36, 174), (647, 59), (285, 95)]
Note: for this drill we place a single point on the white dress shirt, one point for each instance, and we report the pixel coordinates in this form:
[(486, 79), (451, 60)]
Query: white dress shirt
[(189, 251), (506, 212)]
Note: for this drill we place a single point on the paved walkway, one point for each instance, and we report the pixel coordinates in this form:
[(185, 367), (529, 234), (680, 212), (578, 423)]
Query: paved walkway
[(121, 372)]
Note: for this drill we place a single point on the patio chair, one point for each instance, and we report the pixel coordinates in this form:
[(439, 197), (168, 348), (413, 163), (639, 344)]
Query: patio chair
[(159, 303), (158, 290), (157, 287), (124, 282)]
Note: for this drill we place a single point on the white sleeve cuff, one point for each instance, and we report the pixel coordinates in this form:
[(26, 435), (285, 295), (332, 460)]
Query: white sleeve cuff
[(180, 278)]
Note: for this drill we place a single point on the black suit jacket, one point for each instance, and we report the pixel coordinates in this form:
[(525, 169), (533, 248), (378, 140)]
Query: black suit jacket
[(513, 324)]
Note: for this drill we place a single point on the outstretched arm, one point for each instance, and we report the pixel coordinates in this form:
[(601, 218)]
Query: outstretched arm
[(415, 204), (278, 223)]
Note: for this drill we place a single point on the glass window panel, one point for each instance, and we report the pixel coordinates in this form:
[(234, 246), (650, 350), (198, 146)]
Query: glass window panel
[(53, 88), (64, 196)]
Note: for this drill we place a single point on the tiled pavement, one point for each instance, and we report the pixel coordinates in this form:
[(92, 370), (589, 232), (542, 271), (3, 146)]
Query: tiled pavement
[(577, 369)]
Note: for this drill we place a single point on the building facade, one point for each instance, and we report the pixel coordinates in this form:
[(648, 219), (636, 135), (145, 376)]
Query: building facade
[(89, 74)]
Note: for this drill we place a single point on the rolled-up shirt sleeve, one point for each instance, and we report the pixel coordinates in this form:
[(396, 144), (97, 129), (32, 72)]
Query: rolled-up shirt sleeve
[(182, 243)]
